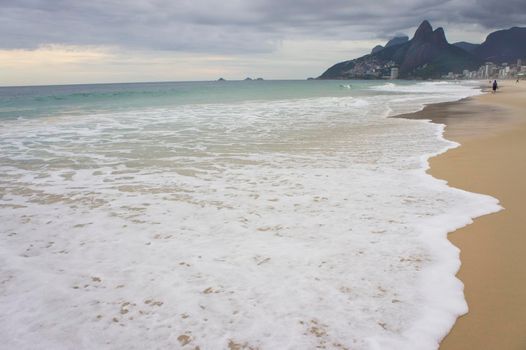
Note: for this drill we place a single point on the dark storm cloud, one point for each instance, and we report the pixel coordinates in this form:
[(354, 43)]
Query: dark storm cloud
[(233, 25)]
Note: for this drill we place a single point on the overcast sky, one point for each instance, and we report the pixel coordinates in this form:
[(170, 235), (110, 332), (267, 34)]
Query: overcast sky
[(74, 41)]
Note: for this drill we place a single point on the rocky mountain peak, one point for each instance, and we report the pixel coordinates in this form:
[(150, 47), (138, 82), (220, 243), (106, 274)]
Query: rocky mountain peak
[(439, 37), (423, 32)]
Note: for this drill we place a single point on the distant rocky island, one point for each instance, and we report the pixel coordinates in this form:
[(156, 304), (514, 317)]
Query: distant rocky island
[(428, 55), (246, 79)]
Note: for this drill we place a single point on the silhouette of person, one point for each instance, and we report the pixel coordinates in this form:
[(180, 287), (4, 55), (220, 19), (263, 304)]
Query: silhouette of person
[(495, 86)]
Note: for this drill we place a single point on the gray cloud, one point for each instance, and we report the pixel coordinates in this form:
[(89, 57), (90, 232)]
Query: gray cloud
[(234, 26)]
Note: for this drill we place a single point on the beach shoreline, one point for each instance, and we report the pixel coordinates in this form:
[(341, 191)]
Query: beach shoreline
[(491, 130), (165, 198)]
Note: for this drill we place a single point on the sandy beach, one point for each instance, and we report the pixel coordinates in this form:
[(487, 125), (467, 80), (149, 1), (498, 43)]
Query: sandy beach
[(492, 132)]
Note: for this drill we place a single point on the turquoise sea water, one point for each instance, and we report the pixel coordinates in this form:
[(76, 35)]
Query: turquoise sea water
[(78, 99), (259, 214)]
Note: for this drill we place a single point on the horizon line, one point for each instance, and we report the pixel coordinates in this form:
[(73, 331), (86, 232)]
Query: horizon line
[(151, 82)]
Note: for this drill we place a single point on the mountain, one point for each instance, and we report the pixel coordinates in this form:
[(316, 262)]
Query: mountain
[(503, 46), (377, 48), (426, 55), (397, 41), (429, 54), (394, 41), (469, 47)]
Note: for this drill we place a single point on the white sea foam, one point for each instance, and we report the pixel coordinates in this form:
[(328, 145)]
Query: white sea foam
[(278, 225), (441, 88)]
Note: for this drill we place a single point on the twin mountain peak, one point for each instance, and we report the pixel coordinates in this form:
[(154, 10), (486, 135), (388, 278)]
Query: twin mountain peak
[(429, 55)]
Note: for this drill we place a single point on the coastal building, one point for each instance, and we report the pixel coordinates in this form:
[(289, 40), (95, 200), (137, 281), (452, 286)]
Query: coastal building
[(487, 70), (482, 72), (491, 70), (394, 73)]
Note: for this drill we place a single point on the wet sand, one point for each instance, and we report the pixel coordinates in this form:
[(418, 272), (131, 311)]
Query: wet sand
[(491, 160)]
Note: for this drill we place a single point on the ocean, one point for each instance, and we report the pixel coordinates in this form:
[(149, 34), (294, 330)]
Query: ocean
[(241, 215)]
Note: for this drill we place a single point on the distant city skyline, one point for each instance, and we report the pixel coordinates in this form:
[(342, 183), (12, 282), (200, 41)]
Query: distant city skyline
[(64, 42)]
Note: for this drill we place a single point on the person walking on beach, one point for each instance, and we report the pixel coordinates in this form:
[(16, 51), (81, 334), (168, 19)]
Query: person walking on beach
[(495, 86)]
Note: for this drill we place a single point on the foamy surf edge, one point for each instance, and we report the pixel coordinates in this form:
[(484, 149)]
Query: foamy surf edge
[(443, 291)]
